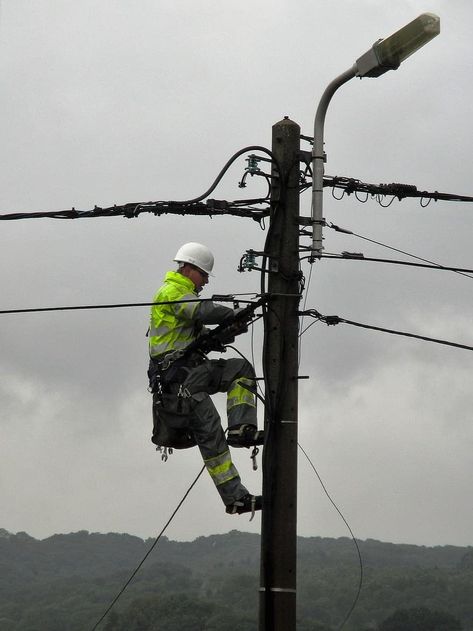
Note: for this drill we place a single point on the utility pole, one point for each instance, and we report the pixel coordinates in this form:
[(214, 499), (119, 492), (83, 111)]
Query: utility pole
[(277, 611)]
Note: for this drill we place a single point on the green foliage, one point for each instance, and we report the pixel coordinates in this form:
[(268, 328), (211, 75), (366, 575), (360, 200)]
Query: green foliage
[(420, 619), (65, 583)]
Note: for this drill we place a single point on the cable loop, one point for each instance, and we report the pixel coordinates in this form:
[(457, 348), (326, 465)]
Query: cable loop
[(380, 198), (344, 192), (363, 201)]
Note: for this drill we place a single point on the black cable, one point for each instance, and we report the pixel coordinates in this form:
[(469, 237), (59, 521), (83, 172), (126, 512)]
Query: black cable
[(390, 247), (334, 319), (316, 321), (126, 305), (253, 362), (354, 257), (133, 209), (301, 322), (225, 169), (135, 571), (396, 190), (257, 395), (360, 560), (212, 207), (403, 333)]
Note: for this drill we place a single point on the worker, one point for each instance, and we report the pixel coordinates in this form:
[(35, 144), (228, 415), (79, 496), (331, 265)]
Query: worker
[(183, 382)]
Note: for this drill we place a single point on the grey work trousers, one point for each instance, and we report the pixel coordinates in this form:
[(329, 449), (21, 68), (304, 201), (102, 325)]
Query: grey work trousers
[(189, 406)]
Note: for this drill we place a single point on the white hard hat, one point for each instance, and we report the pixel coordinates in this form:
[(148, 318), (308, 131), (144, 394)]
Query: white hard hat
[(196, 254)]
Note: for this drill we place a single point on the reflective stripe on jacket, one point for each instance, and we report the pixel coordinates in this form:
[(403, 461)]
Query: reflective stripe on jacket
[(174, 326)]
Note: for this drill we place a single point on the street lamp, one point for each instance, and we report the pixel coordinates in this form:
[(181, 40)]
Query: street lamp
[(385, 54)]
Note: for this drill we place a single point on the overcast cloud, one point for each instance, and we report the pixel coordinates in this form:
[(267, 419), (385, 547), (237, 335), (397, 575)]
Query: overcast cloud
[(118, 101)]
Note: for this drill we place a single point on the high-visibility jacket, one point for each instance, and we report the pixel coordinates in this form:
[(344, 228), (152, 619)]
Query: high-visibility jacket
[(174, 326)]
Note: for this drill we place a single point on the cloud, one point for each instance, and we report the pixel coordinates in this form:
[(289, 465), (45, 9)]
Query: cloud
[(111, 104)]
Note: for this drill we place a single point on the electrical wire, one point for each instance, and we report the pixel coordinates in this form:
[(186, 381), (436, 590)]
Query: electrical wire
[(307, 328), (360, 560), (390, 247), (135, 571), (412, 335), (347, 256), (234, 157), (219, 298), (189, 206), (259, 395), (253, 361), (212, 207), (301, 321), (395, 190), (334, 319)]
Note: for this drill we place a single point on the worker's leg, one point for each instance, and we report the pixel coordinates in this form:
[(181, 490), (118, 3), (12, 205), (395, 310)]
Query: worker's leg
[(238, 381), (206, 427), (234, 376)]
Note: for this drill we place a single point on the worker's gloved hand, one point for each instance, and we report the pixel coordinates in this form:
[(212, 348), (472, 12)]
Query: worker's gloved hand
[(227, 336), (242, 314), (239, 327), (240, 324), (209, 342)]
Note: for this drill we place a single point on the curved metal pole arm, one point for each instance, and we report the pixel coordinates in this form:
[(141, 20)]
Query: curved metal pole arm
[(318, 157)]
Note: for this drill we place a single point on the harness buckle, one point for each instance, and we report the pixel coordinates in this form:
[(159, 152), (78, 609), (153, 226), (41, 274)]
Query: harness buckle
[(170, 358), (183, 392)]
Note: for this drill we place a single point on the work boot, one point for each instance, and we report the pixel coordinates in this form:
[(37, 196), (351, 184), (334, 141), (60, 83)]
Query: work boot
[(246, 504), (245, 436)]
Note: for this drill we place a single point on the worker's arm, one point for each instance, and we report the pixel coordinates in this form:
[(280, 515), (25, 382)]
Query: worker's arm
[(211, 313)]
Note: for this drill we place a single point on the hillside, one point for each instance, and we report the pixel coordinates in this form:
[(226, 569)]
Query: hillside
[(65, 582)]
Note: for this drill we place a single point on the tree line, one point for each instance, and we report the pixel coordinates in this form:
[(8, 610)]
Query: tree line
[(65, 583)]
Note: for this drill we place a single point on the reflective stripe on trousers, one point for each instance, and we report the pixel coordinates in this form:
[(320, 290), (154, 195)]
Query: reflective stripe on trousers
[(221, 468), (241, 392)]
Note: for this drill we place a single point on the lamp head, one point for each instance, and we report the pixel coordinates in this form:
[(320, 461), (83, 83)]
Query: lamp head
[(388, 54)]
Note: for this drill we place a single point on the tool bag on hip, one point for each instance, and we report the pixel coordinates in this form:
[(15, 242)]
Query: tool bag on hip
[(170, 422)]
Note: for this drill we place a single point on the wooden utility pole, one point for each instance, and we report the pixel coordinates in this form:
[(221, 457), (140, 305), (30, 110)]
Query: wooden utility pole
[(280, 358)]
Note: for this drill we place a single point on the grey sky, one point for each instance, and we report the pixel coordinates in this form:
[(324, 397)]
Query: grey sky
[(116, 101)]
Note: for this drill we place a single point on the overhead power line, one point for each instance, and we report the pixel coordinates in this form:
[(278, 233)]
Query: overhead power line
[(194, 206), (243, 207), (211, 208), (360, 256), (395, 190), (214, 298), (334, 319), (353, 256)]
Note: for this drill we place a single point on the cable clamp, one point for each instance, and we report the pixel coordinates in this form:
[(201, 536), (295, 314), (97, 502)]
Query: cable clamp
[(352, 255), (332, 320), (338, 229)]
